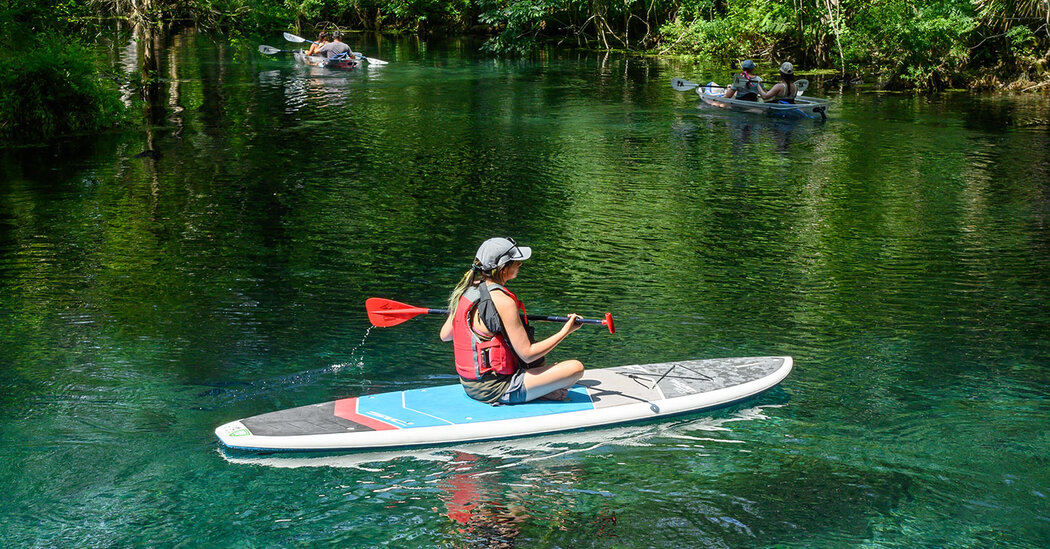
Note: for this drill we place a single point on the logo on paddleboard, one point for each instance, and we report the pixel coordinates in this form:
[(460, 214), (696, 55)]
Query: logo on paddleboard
[(242, 432)]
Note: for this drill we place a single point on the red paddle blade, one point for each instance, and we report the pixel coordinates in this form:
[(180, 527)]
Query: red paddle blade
[(387, 312), (608, 322)]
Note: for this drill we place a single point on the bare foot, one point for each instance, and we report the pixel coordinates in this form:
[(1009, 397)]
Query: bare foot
[(557, 394)]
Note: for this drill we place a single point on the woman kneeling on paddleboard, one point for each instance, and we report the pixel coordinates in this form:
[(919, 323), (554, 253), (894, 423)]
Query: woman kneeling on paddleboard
[(496, 357)]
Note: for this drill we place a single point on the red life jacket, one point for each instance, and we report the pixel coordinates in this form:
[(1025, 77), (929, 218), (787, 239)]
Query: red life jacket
[(476, 356)]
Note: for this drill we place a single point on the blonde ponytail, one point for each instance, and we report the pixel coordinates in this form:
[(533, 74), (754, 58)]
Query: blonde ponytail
[(457, 292), (470, 277)]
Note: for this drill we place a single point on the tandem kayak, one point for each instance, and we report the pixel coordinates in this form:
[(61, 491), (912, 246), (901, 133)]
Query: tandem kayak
[(803, 107), (445, 414), (321, 61)]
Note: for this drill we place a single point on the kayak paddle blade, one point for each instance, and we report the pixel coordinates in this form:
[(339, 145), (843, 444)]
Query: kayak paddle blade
[(372, 60), (293, 38), (387, 312), (268, 50), (801, 85), (682, 84)]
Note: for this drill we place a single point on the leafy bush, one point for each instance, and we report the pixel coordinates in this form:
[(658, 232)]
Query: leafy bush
[(753, 28), (922, 44), (51, 90), (519, 21), (425, 14)]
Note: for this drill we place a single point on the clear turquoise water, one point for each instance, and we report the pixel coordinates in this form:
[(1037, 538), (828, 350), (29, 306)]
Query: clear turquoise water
[(900, 253)]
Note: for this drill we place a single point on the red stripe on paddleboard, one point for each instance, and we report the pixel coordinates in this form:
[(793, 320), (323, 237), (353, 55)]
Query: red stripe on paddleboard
[(347, 409)]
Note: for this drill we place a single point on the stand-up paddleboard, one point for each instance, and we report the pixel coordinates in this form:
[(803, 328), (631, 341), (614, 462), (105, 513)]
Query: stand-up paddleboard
[(441, 415)]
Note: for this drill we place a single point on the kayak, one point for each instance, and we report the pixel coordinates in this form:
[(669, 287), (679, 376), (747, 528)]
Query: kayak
[(803, 107), (321, 61), (445, 414)]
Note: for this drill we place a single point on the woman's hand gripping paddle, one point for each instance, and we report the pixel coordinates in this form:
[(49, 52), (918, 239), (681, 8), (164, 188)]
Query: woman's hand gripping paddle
[(387, 312)]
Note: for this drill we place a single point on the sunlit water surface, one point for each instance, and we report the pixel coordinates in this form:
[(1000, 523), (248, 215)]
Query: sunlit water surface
[(899, 252)]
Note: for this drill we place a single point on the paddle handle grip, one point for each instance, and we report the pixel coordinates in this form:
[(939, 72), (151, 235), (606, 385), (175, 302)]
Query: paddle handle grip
[(564, 319), (607, 321)]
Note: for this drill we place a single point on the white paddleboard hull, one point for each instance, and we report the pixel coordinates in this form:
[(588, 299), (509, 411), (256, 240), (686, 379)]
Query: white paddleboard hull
[(444, 415)]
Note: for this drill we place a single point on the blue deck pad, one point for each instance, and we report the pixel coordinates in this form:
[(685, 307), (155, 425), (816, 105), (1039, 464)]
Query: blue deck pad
[(450, 405)]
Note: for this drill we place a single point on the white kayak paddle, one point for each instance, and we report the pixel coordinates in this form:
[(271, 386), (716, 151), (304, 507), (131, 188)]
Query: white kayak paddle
[(681, 84), (270, 50), (801, 85)]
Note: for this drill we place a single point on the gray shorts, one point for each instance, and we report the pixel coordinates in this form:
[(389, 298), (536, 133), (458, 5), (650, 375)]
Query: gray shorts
[(515, 393)]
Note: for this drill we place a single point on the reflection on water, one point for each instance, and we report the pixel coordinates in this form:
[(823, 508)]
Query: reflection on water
[(741, 131), (899, 252), (487, 516), (492, 494)]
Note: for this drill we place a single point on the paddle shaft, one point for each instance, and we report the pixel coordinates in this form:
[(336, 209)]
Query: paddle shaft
[(527, 317)]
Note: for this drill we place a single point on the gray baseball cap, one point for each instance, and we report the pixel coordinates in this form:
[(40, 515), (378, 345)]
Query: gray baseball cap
[(496, 252)]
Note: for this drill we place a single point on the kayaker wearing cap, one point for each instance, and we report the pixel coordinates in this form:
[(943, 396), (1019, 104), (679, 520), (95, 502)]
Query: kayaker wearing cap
[(785, 90), (745, 86), (322, 39), (335, 47), (496, 357)]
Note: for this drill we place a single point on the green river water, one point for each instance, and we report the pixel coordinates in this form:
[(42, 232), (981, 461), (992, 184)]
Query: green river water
[(899, 252)]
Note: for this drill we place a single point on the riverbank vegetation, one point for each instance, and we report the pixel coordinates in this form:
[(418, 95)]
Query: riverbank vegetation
[(52, 82), (929, 44)]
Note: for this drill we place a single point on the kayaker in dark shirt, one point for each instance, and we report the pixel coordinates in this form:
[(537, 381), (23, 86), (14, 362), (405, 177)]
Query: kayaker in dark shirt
[(785, 90), (335, 47), (745, 86), (496, 357), (322, 39)]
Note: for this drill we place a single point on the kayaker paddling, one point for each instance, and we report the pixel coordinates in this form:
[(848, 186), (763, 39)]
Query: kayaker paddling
[(746, 86), (495, 355), (785, 90), (336, 48), (322, 39), (790, 105)]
